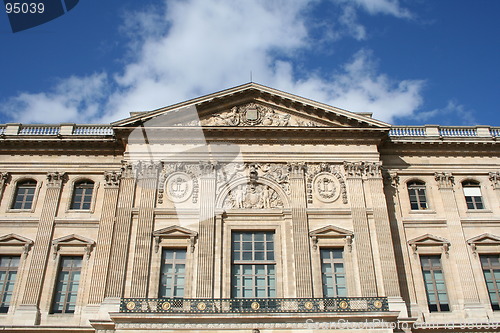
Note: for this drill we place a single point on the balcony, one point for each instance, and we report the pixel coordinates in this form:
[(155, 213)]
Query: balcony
[(254, 305)]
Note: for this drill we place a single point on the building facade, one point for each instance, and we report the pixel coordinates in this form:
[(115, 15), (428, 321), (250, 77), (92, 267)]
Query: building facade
[(249, 210)]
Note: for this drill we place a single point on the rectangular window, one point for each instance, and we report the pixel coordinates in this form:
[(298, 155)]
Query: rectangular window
[(435, 286), (68, 281), (333, 273), (491, 271), (253, 266), (25, 193), (473, 197), (173, 273), (8, 274)]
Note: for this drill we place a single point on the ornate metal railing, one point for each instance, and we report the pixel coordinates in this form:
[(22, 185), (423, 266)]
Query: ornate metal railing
[(254, 305)]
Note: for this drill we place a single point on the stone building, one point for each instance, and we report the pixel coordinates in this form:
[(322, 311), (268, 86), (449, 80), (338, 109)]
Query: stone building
[(249, 210)]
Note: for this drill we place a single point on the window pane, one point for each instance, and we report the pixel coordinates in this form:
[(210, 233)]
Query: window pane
[(332, 270), (8, 274), (66, 292), (435, 287)]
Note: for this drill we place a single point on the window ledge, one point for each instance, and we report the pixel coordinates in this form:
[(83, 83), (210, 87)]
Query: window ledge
[(17, 211), (479, 211), (422, 211)]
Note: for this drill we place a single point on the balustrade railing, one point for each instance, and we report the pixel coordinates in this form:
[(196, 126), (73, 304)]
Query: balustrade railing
[(458, 131), (39, 130), (407, 131), (93, 130), (254, 305)]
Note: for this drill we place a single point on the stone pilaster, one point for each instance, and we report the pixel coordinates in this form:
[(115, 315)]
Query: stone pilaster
[(42, 245), (104, 238), (458, 251), (121, 233), (300, 231), (495, 182), (354, 171), (148, 179), (4, 176), (383, 229), (208, 184)]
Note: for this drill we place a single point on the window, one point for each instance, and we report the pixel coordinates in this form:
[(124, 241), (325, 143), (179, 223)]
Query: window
[(8, 273), (416, 192), (173, 273), (253, 268), (435, 286), (82, 195), (491, 271), (68, 280), (472, 193), (25, 193), (333, 273)]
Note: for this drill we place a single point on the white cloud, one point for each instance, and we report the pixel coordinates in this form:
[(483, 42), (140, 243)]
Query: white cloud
[(453, 113), (201, 46)]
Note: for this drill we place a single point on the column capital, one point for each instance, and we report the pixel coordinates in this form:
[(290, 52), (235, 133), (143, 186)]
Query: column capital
[(208, 168), (55, 179), (391, 178), (444, 180), (296, 168), (495, 180), (363, 169), (112, 178), (149, 169), (4, 176)]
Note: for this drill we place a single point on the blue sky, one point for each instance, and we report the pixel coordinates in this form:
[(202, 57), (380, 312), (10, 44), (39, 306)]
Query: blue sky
[(410, 62)]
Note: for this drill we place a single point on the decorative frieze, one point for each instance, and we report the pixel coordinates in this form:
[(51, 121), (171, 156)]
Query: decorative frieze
[(444, 180)]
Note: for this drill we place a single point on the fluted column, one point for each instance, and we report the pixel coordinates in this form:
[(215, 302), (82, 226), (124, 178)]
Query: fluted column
[(121, 233), (104, 238), (42, 245), (205, 278), (354, 171), (300, 231), (458, 252), (148, 179), (4, 176), (383, 229)]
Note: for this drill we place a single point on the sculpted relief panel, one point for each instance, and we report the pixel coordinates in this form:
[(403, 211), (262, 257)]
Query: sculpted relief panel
[(253, 114), (252, 196)]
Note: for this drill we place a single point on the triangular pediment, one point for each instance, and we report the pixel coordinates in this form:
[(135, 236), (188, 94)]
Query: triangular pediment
[(72, 240), (429, 240), (14, 240), (251, 105), (174, 232), (485, 239), (331, 231)]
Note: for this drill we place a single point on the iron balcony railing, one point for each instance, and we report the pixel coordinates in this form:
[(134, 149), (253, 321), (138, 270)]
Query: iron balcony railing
[(254, 305)]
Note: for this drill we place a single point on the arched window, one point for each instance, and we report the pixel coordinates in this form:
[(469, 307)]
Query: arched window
[(418, 198), (25, 194), (82, 195), (472, 193)]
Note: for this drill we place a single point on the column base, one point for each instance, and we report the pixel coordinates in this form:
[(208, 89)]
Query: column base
[(26, 315)]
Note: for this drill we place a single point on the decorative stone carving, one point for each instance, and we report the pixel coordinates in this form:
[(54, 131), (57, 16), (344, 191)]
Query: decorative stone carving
[(250, 196), (254, 114), (207, 168), (484, 240), (148, 169), (175, 232), (13, 240), (179, 187), (444, 179), (316, 172), (326, 187), (55, 179), (391, 178), (190, 189), (73, 241), (112, 178), (429, 240), (128, 170), (332, 232), (363, 169), (495, 180)]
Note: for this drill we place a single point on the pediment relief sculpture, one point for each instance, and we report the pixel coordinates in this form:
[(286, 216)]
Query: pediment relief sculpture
[(253, 114), (252, 196)]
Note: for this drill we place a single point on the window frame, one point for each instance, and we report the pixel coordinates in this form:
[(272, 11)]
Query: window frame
[(416, 185), (14, 191), (13, 283), (74, 183), (438, 304), (332, 262), (78, 291), (175, 262), (253, 264), (496, 283), (471, 183)]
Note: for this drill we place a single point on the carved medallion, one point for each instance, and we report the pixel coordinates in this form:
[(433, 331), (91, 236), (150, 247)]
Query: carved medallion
[(179, 187), (326, 187)]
